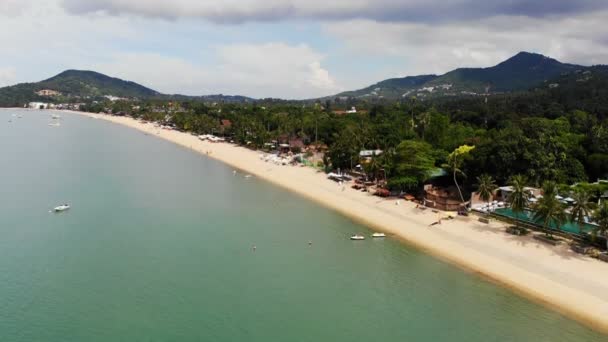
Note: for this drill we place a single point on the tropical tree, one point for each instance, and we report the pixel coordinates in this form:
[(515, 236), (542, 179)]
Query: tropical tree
[(600, 216), (413, 162), (485, 187), (581, 209), (549, 210), (372, 167), (454, 164), (519, 198)]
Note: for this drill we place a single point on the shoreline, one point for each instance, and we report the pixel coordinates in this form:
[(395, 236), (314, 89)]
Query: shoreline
[(552, 276)]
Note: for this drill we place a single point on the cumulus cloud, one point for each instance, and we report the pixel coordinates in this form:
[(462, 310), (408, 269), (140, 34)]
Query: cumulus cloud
[(258, 70), (7, 76), (237, 11), (343, 42), (430, 48), (9, 8)]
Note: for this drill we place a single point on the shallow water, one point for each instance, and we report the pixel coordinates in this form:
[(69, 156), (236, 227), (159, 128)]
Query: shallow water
[(158, 247)]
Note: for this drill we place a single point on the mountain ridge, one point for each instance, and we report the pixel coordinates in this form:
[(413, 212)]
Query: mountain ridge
[(522, 71), (78, 85)]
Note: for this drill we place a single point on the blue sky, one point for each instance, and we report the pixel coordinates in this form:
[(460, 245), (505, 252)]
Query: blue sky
[(288, 49)]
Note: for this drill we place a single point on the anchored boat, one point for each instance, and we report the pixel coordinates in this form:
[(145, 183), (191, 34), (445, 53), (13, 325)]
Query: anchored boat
[(61, 208)]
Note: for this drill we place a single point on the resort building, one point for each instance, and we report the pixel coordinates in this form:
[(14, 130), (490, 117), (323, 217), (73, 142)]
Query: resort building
[(446, 199), (503, 193), (225, 126), (47, 92), (38, 105), (367, 155)]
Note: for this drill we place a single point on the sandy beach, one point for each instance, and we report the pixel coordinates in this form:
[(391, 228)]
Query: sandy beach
[(575, 285)]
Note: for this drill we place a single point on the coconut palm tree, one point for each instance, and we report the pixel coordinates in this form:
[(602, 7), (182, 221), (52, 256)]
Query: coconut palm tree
[(549, 209), (519, 199), (371, 168), (581, 209), (454, 164), (485, 187), (600, 216)]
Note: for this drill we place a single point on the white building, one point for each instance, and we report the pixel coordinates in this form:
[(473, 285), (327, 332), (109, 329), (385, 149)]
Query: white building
[(38, 105), (48, 92)]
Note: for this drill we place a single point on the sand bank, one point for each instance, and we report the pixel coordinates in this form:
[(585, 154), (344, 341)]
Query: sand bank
[(574, 285)]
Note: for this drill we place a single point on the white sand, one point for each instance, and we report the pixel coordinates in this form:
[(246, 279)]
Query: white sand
[(570, 283)]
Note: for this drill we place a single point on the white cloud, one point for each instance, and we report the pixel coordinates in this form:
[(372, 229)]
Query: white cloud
[(434, 48), (360, 42), (258, 70), (9, 8), (382, 10), (7, 76)]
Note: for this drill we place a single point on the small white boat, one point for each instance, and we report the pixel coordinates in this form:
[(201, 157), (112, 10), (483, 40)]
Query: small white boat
[(378, 235), (55, 116), (55, 124), (61, 208), (357, 237), (248, 176)]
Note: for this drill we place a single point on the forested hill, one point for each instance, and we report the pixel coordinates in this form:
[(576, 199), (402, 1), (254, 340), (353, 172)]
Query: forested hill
[(520, 72), (72, 85), (79, 86), (555, 131), (91, 83)]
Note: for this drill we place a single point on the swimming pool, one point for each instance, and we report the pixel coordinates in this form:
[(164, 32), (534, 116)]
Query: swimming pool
[(527, 216)]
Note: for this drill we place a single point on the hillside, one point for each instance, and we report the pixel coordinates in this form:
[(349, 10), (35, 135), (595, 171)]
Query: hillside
[(520, 72), (78, 85), (90, 83), (391, 88), (72, 85)]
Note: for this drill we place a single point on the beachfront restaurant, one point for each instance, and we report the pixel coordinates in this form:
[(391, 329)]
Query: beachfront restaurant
[(443, 198)]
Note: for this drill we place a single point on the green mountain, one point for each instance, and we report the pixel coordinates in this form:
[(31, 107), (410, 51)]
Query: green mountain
[(79, 85), (91, 83), (520, 72), (72, 85), (391, 88)]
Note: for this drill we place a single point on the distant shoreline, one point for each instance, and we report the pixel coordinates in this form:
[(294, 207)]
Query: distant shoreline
[(556, 277)]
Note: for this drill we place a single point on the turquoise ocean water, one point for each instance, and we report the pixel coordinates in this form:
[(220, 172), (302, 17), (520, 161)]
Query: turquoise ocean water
[(157, 247)]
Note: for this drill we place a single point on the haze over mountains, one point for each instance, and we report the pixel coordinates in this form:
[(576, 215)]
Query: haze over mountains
[(518, 73)]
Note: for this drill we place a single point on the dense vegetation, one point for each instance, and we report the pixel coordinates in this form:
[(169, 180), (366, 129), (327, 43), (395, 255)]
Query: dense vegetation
[(74, 86), (553, 133), (520, 72), (90, 83)]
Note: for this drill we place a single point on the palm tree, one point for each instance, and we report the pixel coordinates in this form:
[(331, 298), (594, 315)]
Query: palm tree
[(455, 161), (485, 187), (424, 119), (519, 198), (549, 209), (372, 167), (600, 216), (581, 209)]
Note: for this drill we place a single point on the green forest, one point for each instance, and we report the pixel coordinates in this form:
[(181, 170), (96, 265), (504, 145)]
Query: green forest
[(550, 133)]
